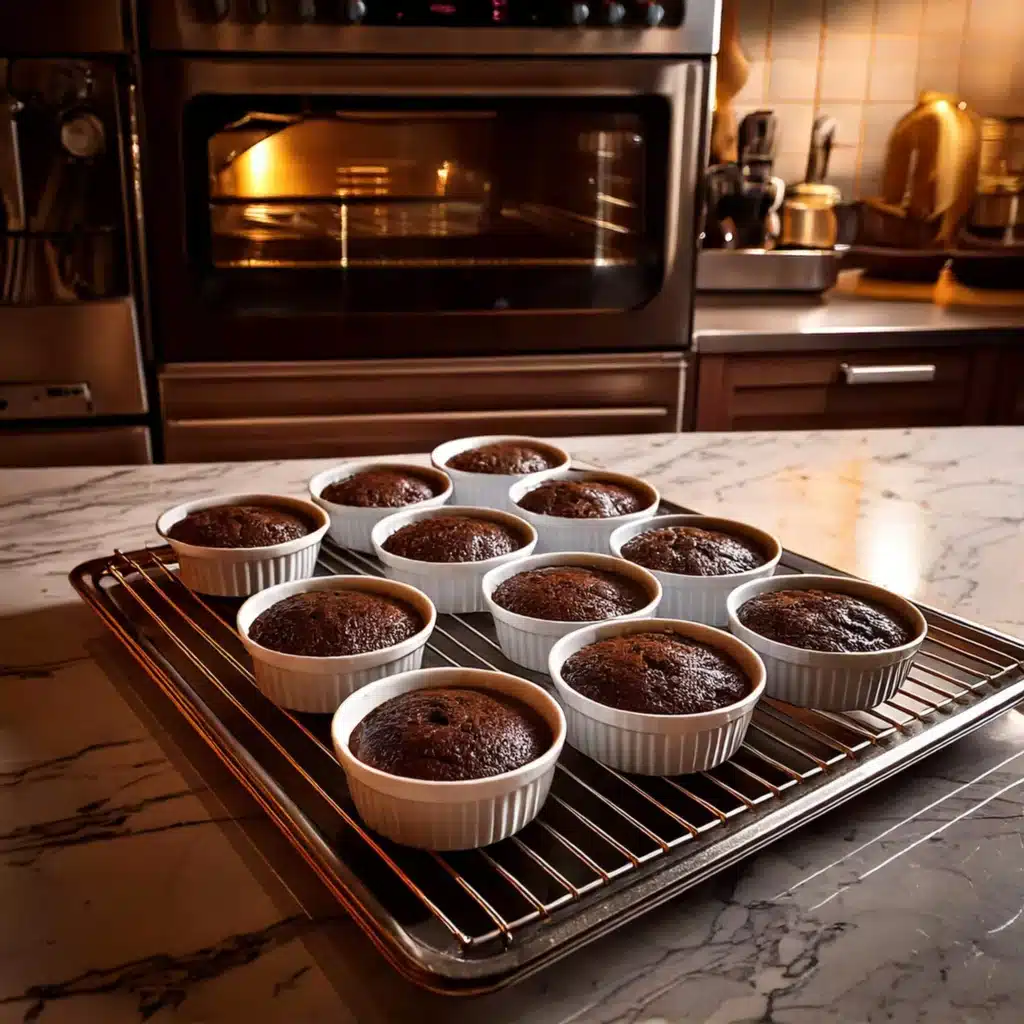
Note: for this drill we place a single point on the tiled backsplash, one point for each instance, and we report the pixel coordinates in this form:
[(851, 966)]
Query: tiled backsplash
[(864, 62)]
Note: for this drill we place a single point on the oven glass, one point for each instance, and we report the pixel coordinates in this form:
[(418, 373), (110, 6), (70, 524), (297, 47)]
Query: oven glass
[(427, 206)]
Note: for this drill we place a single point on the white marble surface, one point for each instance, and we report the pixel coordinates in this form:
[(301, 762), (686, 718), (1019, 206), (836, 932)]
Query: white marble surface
[(131, 881)]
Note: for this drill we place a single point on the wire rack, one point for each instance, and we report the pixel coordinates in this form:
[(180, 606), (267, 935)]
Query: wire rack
[(606, 847)]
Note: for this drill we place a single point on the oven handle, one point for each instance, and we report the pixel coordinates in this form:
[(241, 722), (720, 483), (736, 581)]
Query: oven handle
[(12, 191)]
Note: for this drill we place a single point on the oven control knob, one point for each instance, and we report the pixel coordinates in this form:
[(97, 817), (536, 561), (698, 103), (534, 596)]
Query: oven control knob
[(579, 13), (615, 13), (355, 11), (655, 15), (307, 10)]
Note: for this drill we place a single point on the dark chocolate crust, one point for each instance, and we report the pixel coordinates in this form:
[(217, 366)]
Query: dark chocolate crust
[(505, 457), (693, 551), (824, 620), (379, 487), (659, 673), (328, 623), (450, 734), (581, 499), (569, 593), (453, 539), (240, 526)]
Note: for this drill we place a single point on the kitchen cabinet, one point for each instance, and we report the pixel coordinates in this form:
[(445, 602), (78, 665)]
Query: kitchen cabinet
[(852, 388), (1009, 402), (219, 411)]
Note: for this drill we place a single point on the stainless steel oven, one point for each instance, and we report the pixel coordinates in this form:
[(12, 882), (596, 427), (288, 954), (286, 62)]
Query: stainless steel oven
[(71, 379), (422, 181)]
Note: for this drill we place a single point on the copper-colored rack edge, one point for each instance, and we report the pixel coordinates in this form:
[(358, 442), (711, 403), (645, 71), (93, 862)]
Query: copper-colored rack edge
[(145, 659)]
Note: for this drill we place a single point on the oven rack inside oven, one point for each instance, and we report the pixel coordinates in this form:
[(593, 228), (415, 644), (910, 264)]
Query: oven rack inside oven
[(605, 848)]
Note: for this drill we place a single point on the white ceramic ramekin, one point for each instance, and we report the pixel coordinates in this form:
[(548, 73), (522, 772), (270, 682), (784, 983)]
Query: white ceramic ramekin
[(238, 572), (454, 587), (823, 679), (488, 489), (528, 641), (320, 684), (560, 533), (656, 744), (701, 598), (448, 815), (351, 525)]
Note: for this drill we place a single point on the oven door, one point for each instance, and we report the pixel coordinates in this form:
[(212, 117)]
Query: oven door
[(349, 208)]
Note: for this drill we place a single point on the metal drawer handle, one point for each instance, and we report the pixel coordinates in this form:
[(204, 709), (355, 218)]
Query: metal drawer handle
[(912, 373)]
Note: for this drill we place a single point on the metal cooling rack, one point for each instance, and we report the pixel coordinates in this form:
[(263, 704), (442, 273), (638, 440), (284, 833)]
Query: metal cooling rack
[(606, 848)]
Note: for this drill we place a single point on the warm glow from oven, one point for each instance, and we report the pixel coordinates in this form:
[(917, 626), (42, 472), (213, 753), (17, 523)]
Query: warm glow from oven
[(442, 178), (260, 168)]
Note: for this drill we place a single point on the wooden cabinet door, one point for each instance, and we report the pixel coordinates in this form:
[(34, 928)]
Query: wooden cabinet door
[(1009, 404), (853, 389)]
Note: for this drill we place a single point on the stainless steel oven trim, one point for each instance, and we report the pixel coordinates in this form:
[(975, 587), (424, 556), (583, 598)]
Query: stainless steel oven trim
[(664, 322), (171, 27)]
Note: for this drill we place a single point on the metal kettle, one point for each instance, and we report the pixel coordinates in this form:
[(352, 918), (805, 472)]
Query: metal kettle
[(931, 171), (809, 218)]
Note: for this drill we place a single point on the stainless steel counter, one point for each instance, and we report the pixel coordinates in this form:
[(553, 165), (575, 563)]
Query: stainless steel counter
[(756, 323)]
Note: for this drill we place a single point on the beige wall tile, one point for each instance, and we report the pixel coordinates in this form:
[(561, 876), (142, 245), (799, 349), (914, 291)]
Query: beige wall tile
[(899, 17), (986, 75), (938, 63), (850, 15), (755, 87), (849, 118), (795, 121), (796, 29), (879, 120), (786, 13), (842, 170), (844, 68), (791, 167), (995, 18), (797, 42), (755, 22), (790, 78), (893, 69), (755, 15), (944, 17)]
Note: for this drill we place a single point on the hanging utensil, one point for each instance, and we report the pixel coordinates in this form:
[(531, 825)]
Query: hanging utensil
[(823, 136)]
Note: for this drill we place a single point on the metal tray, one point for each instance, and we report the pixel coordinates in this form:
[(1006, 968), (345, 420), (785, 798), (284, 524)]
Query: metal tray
[(606, 848)]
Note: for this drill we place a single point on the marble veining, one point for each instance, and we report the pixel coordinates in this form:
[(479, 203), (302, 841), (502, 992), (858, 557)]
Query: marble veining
[(131, 878)]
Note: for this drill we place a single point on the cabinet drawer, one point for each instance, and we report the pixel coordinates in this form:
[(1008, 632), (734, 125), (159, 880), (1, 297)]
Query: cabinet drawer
[(271, 410), (351, 387), (85, 446), (342, 436), (895, 387)]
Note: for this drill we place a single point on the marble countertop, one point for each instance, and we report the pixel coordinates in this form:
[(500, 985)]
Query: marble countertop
[(139, 883), (774, 323)]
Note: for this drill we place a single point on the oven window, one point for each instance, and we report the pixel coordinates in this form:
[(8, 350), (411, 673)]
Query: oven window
[(475, 205)]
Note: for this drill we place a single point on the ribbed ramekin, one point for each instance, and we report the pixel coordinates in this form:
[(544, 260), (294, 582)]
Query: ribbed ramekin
[(352, 525), (560, 533), (528, 641), (238, 572), (488, 489), (448, 815), (454, 587), (656, 744), (823, 679), (320, 684), (701, 598)]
